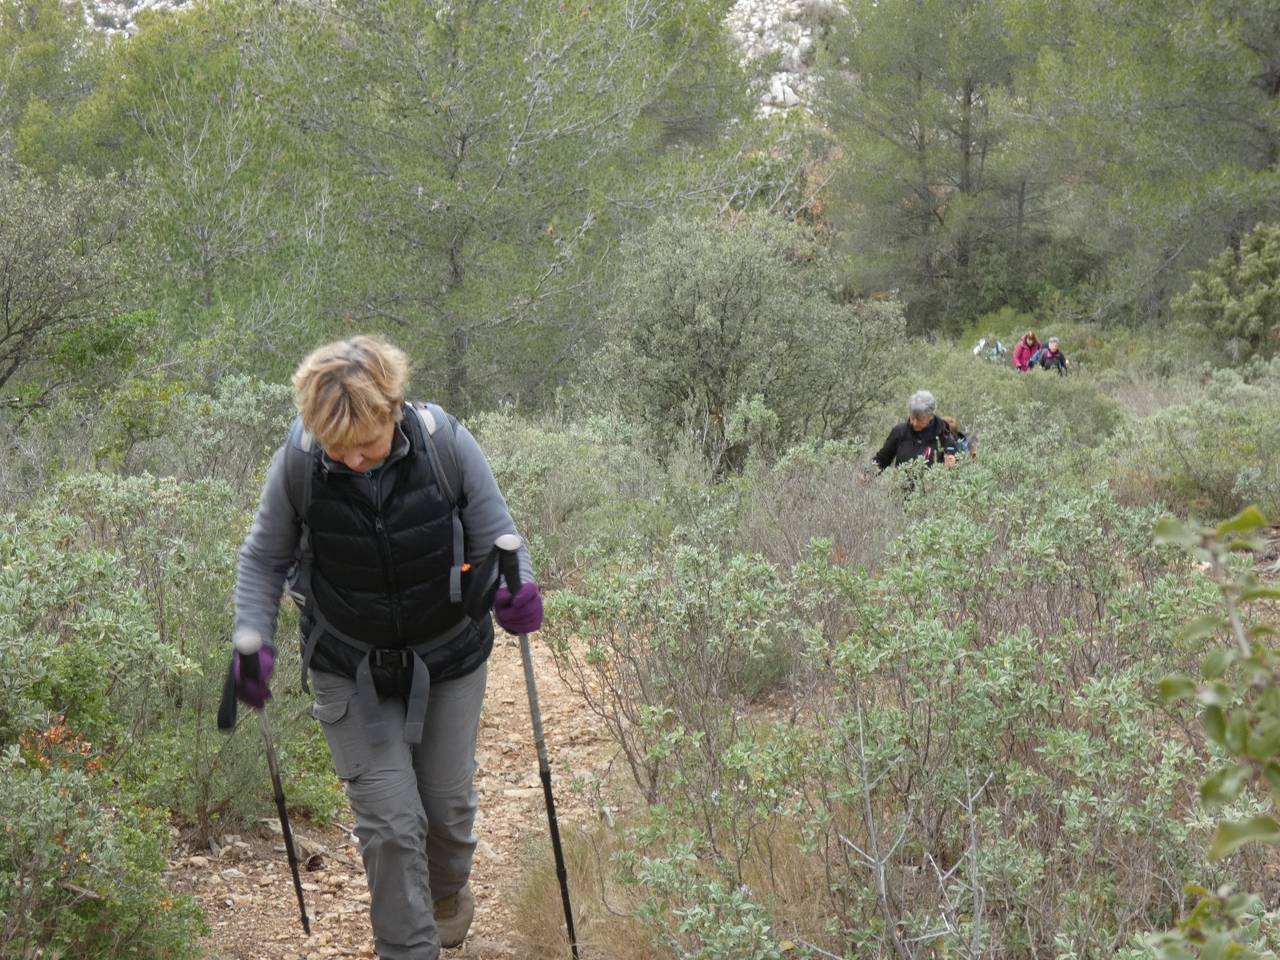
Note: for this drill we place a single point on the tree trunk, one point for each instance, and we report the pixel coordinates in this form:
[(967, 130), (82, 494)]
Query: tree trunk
[(967, 189), (926, 190), (457, 383)]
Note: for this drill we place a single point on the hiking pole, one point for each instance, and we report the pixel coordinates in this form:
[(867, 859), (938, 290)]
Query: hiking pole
[(507, 546), (247, 645)]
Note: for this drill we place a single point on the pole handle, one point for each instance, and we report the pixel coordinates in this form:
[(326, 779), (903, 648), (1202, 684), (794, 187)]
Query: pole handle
[(245, 644), (248, 642), (509, 559)]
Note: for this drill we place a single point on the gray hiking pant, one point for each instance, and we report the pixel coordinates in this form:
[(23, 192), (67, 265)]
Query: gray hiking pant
[(414, 805)]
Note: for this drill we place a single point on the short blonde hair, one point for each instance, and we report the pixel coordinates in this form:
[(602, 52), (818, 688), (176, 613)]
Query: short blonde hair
[(349, 388)]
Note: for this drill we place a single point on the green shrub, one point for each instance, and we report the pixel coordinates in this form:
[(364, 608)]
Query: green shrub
[(815, 492), (696, 917), (971, 760), (1236, 297), (666, 653), (717, 321), (76, 637), (1240, 713), (1211, 455), (990, 718), (167, 428), (580, 492), (117, 596), (81, 878)]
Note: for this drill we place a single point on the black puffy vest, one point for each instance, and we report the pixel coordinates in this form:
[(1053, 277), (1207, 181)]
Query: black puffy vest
[(381, 554)]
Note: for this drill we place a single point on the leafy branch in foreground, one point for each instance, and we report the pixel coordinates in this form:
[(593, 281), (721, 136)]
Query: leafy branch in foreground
[(1239, 694)]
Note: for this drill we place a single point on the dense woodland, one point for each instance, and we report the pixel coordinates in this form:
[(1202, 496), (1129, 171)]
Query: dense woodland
[(952, 714)]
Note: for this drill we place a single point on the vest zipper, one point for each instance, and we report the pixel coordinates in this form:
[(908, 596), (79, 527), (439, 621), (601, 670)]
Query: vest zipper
[(384, 544)]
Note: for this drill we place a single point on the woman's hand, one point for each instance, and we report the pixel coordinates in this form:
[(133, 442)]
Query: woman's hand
[(252, 687), (520, 612)]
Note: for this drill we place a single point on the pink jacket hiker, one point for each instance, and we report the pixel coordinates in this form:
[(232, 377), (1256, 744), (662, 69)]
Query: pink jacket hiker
[(1023, 351)]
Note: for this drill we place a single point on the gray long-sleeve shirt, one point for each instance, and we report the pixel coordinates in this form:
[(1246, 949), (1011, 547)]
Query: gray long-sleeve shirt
[(271, 547)]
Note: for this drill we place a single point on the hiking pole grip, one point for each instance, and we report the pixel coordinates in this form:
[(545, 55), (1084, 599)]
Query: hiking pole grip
[(508, 546), (245, 644), (227, 706), (248, 643)]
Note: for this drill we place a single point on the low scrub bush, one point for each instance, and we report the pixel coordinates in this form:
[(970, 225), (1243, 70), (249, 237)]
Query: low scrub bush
[(114, 614), (585, 493), (76, 637), (970, 758), (82, 878), (815, 492), (993, 752), (667, 653), (119, 590), (728, 331), (700, 917), (1240, 713), (1211, 455), (226, 434)]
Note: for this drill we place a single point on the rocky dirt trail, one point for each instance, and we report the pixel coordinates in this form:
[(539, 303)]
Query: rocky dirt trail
[(245, 887)]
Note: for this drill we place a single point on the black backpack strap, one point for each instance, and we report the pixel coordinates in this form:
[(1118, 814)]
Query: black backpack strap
[(299, 466), (439, 434), (299, 471)]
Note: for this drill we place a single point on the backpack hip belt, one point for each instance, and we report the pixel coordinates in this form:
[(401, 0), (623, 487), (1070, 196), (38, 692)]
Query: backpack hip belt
[(408, 657)]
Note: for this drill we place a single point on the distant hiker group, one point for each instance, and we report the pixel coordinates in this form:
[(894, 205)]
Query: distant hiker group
[(1030, 353), (928, 436)]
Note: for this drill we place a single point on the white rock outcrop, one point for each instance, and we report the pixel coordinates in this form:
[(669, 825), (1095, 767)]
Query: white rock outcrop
[(117, 16), (788, 30)]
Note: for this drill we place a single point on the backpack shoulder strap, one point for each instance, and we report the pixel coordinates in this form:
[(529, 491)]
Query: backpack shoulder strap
[(299, 465), (439, 430)]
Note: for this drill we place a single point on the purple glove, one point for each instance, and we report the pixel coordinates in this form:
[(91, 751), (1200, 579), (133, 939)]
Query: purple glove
[(253, 691), (520, 612)]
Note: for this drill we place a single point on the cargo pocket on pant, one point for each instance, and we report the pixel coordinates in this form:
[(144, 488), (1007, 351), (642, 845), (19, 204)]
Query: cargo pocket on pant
[(343, 730)]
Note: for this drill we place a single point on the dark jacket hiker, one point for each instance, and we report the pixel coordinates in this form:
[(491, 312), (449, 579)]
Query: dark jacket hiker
[(1053, 358), (923, 435)]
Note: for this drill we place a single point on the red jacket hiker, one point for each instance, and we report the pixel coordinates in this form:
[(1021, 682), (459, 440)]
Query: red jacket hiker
[(1027, 345)]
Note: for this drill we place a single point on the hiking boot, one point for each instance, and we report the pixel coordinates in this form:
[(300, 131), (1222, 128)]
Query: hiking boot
[(453, 916)]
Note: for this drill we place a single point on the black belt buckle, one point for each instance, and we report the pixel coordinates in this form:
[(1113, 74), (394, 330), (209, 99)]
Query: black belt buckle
[(390, 657)]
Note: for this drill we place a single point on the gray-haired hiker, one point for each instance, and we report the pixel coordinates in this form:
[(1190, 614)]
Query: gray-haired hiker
[(378, 513), (1053, 358), (923, 435)]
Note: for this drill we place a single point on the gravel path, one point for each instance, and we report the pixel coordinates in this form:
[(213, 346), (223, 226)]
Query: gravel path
[(247, 893)]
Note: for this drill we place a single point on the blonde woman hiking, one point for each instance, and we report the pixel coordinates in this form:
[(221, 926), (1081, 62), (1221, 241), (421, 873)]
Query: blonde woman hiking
[(379, 513)]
